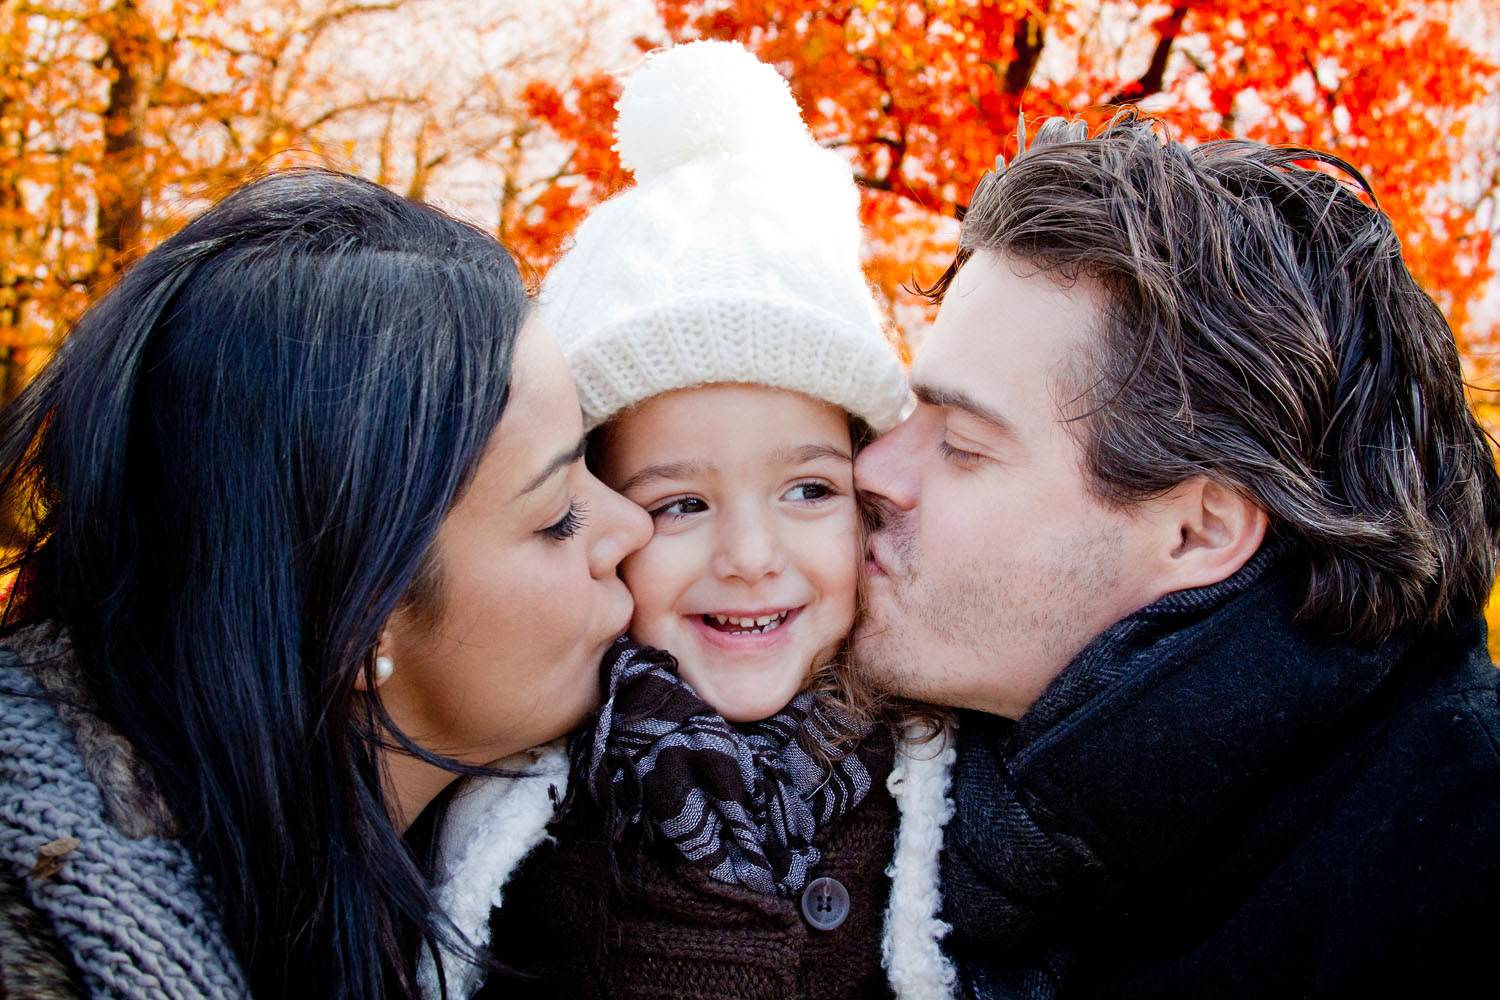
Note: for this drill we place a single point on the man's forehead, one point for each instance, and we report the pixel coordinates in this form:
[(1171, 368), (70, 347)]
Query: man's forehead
[(1008, 312), (1005, 326)]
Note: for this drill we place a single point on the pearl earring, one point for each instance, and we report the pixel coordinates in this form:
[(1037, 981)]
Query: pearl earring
[(383, 669)]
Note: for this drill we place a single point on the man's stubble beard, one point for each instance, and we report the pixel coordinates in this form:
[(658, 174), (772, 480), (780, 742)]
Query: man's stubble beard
[(933, 637)]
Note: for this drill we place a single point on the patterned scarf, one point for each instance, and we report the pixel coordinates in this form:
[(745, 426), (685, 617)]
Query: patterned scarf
[(743, 801)]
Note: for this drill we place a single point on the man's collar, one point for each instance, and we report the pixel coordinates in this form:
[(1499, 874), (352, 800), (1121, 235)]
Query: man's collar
[(1105, 661), (1174, 713)]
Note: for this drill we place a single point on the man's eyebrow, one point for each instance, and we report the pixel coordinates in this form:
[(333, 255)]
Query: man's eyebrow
[(562, 461), (936, 395), (662, 470)]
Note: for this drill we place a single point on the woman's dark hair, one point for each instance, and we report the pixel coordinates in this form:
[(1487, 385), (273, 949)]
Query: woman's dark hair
[(232, 472), (1262, 330)]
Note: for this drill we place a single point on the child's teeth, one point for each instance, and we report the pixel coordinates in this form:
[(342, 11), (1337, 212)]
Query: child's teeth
[(764, 623)]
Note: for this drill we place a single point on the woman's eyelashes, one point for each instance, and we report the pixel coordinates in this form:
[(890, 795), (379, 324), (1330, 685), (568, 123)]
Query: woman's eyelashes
[(570, 523)]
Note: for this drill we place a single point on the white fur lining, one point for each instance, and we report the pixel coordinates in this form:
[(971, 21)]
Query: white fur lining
[(490, 827), (911, 949)]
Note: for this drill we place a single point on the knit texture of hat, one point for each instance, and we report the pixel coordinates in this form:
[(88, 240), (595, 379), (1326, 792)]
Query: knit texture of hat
[(735, 258)]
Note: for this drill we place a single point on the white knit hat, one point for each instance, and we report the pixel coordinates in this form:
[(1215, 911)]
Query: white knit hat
[(735, 258)]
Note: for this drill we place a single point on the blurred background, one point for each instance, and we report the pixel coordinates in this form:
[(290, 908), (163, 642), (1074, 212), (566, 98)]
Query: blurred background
[(120, 118)]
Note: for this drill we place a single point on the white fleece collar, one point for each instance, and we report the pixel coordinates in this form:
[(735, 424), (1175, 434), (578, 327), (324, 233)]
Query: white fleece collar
[(490, 827), (492, 824), (911, 949)]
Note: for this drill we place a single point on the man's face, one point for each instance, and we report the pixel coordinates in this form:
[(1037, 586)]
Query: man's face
[(995, 564)]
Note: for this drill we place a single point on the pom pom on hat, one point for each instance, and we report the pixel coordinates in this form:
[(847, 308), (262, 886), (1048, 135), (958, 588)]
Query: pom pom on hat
[(735, 258), (701, 99)]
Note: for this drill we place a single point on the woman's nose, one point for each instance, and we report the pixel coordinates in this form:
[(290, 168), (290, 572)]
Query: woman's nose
[(747, 546), (623, 528)]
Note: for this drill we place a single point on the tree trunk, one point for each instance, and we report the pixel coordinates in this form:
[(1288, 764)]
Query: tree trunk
[(121, 182), (1029, 38)]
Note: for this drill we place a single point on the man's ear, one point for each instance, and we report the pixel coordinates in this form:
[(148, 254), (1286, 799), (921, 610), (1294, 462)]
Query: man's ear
[(1208, 532)]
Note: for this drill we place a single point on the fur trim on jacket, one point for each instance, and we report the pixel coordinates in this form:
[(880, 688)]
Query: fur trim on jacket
[(493, 824)]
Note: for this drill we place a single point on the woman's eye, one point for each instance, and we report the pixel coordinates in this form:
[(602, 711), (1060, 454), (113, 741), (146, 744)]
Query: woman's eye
[(809, 492), (677, 507), (568, 525)]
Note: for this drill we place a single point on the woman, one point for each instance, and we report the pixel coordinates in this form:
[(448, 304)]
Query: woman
[(307, 533)]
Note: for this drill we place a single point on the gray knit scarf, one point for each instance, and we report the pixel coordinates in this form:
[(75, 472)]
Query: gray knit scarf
[(125, 901), (742, 801)]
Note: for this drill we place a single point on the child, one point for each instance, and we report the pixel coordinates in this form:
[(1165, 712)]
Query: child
[(734, 813)]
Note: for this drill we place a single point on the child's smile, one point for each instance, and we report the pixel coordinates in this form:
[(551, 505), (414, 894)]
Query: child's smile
[(746, 624), (750, 577)]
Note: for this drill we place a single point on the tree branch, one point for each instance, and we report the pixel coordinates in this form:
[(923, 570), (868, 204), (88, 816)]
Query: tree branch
[(1150, 82), (1029, 39)]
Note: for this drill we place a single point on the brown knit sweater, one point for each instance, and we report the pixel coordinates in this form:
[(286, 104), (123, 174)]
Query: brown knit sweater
[(663, 929)]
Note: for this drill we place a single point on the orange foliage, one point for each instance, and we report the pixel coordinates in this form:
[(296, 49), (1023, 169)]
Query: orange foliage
[(924, 94), (112, 113), (584, 120), (119, 117)]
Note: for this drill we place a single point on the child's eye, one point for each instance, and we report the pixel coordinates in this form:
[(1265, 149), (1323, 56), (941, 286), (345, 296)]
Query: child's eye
[(810, 492), (567, 526), (678, 506)]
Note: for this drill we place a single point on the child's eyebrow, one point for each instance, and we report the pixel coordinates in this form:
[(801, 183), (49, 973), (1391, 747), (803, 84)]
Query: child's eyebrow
[(665, 470), (791, 455), (803, 454)]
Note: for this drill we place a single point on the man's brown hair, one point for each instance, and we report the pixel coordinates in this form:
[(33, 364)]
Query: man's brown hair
[(1263, 331)]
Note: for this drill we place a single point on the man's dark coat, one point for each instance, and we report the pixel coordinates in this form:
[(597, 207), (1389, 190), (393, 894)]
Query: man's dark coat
[(1213, 801)]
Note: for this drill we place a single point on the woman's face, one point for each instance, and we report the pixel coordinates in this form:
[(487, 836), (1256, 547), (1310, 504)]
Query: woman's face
[(528, 596), (751, 575)]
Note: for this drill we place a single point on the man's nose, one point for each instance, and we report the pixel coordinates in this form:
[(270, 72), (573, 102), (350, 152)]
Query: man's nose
[(885, 472)]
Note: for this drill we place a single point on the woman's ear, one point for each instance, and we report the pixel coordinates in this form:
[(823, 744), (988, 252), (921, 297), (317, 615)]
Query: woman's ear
[(1208, 532), (384, 665)]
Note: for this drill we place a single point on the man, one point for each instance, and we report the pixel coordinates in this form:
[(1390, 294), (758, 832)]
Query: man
[(1193, 521)]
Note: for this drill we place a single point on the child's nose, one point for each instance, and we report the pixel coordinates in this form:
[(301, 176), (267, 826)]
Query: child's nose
[(748, 547)]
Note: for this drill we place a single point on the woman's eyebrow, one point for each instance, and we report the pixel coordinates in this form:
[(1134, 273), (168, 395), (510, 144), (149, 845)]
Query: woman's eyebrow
[(561, 461)]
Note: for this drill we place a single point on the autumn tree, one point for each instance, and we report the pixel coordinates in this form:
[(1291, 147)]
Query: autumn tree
[(924, 94), (118, 117)]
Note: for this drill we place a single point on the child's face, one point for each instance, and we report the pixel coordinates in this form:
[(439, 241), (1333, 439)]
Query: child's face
[(750, 577)]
